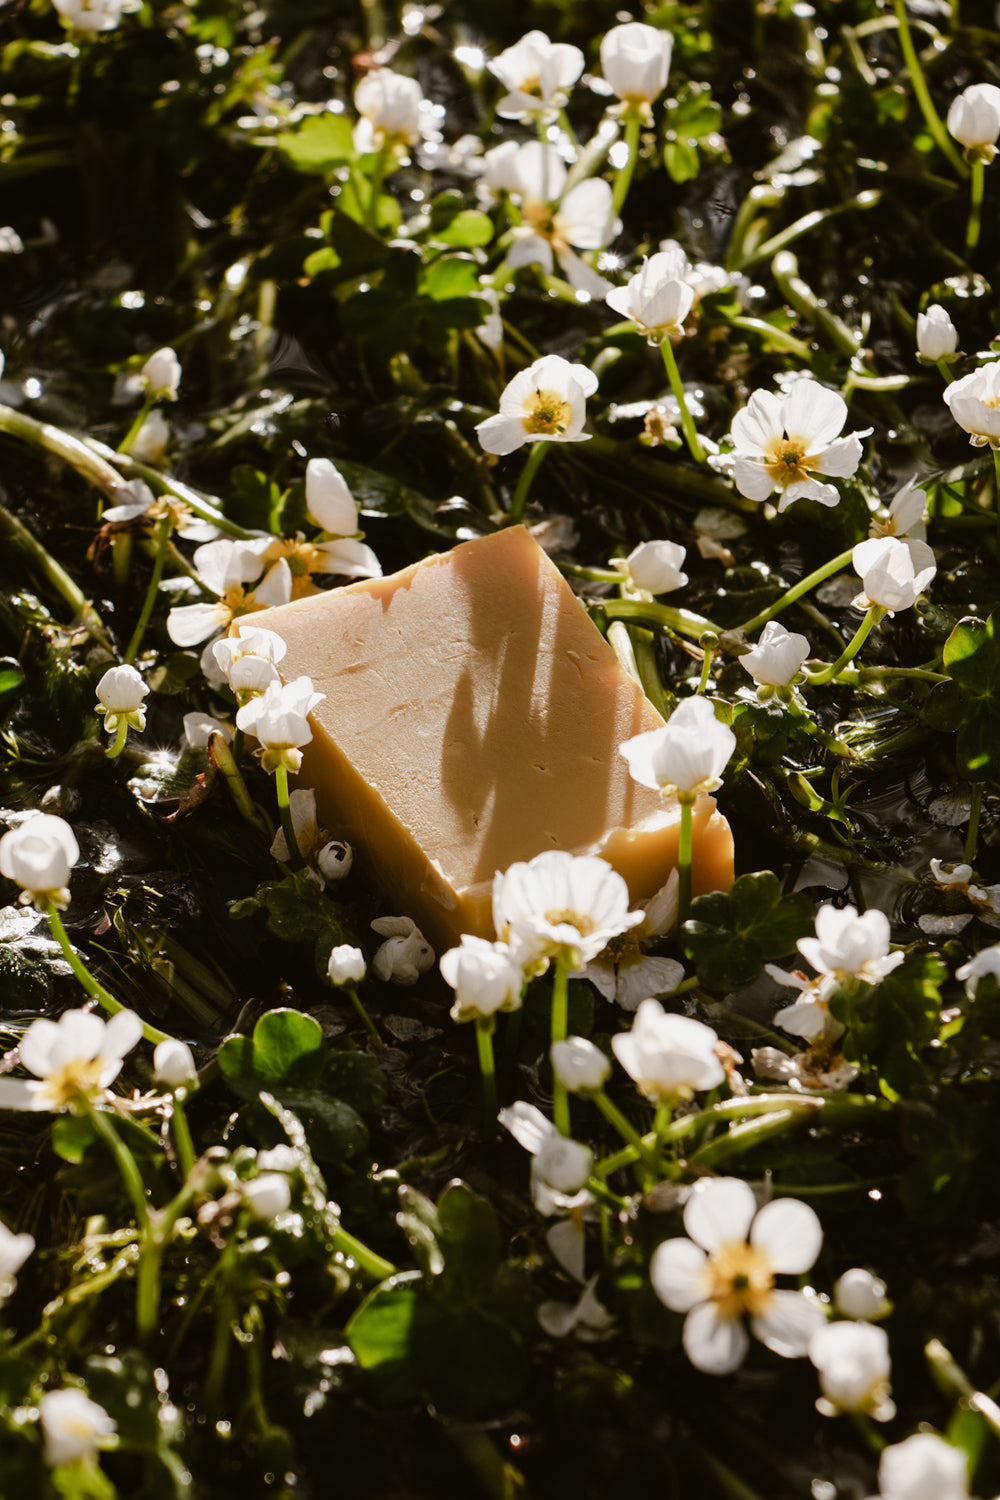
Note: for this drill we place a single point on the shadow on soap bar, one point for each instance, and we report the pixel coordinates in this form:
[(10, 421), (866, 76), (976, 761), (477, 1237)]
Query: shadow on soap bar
[(530, 746)]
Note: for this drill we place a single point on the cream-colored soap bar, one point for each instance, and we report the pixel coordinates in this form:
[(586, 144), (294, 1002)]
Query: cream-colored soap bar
[(472, 718)]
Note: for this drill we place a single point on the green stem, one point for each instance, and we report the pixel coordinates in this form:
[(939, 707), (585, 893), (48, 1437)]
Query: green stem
[(972, 837), (677, 386), (560, 1025), (147, 1303), (792, 232), (528, 473), (487, 1069), (623, 179), (16, 537), (72, 450), (875, 613), (684, 864), (627, 1131), (975, 206), (706, 670), (196, 502), (118, 744), (374, 1266), (659, 616), (945, 372), (931, 117), (159, 559), (86, 979), (797, 291), (996, 489), (232, 775), (362, 1012), (285, 813), (125, 446), (789, 597), (181, 1132), (779, 337)]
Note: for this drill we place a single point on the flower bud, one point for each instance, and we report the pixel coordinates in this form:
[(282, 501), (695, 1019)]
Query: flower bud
[(346, 965), (38, 854), (937, 336), (268, 1195), (161, 375), (74, 1427), (173, 1065), (579, 1066), (859, 1294)]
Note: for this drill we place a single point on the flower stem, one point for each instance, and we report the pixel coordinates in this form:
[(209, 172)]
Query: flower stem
[(779, 337), (71, 450), (875, 613), (14, 535), (931, 117), (181, 1131), (118, 744), (684, 864), (87, 980), (560, 1025), (528, 473), (996, 489), (487, 1069), (366, 1260), (285, 813), (677, 386), (125, 446), (627, 1131), (789, 597), (975, 206), (660, 616), (159, 559), (147, 1292), (233, 776), (362, 1011), (972, 837), (623, 179)]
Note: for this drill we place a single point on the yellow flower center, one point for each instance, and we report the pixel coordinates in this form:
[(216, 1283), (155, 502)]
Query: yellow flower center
[(584, 925), (531, 85), (77, 1076), (740, 1279), (787, 462), (547, 412)]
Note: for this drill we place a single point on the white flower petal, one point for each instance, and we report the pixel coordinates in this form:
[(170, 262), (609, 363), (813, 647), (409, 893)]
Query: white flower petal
[(720, 1209), (677, 1274), (714, 1344), (789, 1233)]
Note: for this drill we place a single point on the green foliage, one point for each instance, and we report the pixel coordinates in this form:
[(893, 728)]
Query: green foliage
[(731, 936), (971, 700)]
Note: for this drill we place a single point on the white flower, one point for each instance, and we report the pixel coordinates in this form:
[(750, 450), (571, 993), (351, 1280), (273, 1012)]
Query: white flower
[(974, 402), (248, 659), (858, 1294), (854, 1368), (893, 572), (538, 74), (686, 756), (553, 226), (544, 403), (669, 1057), (74, 1427), (90, 15), (622, 972), (278, 718), (923, 1467), (14, 1251), (777, 658), (654, 567), (718, 1274), (560, 1167), (937, 336), (119, 696), (281, 1158), (173, 1064), (658, 297), (818, 1068), (635, 60), (907, 514), (578, 1065), (810, 1016), (781, 442), (335, 511), (268, 1195), (561, 905), (199, 728), (224, 568), (587, 1318), (985, 963), (974, 119), (333, 859), (394, 113), (38, 854), (80, 1054), (848, 946), (485, 976), (346, 965), (151, 441), (161, 375), (405, 955)]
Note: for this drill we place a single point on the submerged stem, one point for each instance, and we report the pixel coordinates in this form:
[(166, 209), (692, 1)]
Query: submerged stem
[(677, 386), (528, 473), (789, 597), (152, 588), (875, 613)]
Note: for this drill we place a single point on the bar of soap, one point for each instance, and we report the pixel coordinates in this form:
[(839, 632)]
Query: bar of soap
[(472, 718)]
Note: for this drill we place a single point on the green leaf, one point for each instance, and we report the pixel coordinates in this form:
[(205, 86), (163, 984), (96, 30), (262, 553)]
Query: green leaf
[(418, 1219), (730, 936), (449, 277), (320, 143), (681, 161), (469, 1238), (72, 1137), (381, 1334), (285, 1042), (970, 702), (466, 230)]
